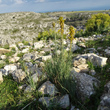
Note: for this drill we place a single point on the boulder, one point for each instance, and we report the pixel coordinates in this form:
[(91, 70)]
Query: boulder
[(97, 60), (93, 58), (85, 85)]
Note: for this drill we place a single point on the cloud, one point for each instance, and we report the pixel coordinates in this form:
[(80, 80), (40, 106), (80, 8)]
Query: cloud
[(40, 1), (18, 1)]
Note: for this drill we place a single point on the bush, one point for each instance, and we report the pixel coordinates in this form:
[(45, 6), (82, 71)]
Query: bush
[(98, 23), (58, 71), (51, 34)]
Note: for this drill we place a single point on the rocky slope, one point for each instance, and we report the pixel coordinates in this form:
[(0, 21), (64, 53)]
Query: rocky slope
[(35, 54)]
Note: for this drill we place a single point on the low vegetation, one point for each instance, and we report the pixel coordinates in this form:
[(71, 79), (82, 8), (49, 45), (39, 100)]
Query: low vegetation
[(58, 69)]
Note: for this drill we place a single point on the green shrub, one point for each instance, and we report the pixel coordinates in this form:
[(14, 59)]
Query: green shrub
[(8, 92), (58, 71), (51, 34), (98, 23)]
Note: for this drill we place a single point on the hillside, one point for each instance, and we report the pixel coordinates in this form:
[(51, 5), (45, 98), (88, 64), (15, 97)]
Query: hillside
[(53, 70), (18, 26)]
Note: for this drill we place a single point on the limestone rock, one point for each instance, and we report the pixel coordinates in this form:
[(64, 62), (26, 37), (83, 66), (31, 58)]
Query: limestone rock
[(2, 50), (48, 88), (14, 59), (18, 75), (97, 60), (93, 58), (64, 101), (44, 58), (80, 61), (28, 57), (38, 45), (74, 48), (3, 57), (10, 67), (83, 68), (85, 85)]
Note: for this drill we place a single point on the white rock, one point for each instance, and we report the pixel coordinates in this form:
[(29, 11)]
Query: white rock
[(10, 67), (26, 50), (3, 57), (15, 59), (97, 60), (38, 45), (44, 58)]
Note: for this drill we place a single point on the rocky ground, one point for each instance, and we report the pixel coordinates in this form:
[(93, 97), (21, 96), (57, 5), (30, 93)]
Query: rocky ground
[(24, 59), (33, 56)]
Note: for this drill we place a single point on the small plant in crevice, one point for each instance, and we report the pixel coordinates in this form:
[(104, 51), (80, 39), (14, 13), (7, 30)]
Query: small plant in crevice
[(90, 65)]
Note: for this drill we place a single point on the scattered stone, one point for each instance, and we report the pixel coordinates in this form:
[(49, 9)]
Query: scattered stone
[(83, 68), (28, 57), (22, 87), (105, 98), (80, 61), (74, 48), (85, 85), (28, 89), (14, 59), (18, 75), (63, 101), (2, 50), (3, 57), (92, 72), (44, 58), (93, 58), (26, 50), (97, 60), (48, 88), (38, 45), (107, 51), (82, 45), (10, 67)]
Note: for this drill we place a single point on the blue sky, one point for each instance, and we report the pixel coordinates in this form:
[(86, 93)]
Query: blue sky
[(52, 5)]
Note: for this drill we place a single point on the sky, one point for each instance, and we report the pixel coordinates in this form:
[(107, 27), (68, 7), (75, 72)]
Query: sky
[(52, 5)]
